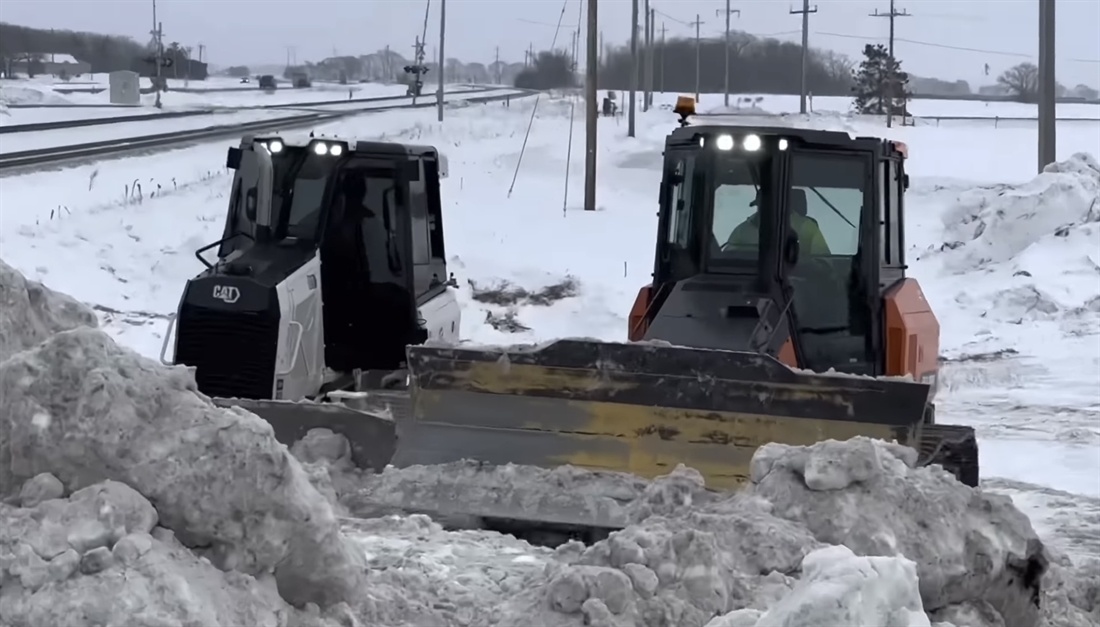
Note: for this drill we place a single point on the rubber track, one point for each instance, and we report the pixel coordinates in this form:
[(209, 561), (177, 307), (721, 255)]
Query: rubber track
[(954, 447)]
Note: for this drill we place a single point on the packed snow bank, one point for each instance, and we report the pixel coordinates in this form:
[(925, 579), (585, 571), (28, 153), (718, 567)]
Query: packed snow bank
[(130, 497), (86, 410), (1037, 245), (915, 540), (99, 555), (32, 312)]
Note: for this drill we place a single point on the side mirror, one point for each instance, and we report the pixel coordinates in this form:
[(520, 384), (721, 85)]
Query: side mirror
[(791, 250), (905, 182), (233, 158)]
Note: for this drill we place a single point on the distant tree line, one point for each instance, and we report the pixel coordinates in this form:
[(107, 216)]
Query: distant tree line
[(105, 53), (550, 70), (756, 65)]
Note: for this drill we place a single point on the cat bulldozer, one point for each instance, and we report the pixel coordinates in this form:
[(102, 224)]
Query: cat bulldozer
[(779, 311), (330, 263)]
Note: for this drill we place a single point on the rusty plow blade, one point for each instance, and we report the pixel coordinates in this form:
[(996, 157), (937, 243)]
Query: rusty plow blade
[(640, 408)]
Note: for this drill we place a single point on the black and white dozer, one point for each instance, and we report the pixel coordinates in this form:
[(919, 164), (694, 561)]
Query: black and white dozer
[(331, 263)]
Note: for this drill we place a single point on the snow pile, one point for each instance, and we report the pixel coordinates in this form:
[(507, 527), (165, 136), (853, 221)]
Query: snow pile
[(773, 555), (1037, 243), (99, 555), (129, 497), (44, 95), (33, 312)]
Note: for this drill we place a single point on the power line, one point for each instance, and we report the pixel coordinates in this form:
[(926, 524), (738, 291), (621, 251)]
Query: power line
[(1018, 55), (537, 23)]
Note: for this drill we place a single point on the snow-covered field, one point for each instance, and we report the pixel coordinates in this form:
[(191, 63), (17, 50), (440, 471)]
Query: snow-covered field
[(34, 140), (1010, 262), (41, 91)]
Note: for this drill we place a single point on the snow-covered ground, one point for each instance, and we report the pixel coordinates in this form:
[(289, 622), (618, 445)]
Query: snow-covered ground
[(42, 91), (34, 140), (1009, 261)]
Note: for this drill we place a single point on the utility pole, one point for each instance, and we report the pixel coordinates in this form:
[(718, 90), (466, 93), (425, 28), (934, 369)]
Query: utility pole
[(805, 13), (496, 65), (728, 12), (697, 23), (663, 29), (633, 66), (202, 51), (892, 87), (158, 56), (645, 60), (649, 58), (442, 58), (591, 61), (1047, 84)]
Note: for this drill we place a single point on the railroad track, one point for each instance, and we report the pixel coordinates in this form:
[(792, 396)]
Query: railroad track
[(167, 115), (14, 161)]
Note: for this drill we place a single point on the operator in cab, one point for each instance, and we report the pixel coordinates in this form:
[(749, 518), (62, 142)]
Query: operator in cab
[(810, 239)]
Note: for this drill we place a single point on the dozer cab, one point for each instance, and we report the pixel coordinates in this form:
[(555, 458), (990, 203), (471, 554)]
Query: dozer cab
[(779, 311), (331, 262)]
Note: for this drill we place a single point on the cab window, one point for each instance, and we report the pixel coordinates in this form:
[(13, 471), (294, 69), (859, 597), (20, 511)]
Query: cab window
[(826, 202), (679, 223)]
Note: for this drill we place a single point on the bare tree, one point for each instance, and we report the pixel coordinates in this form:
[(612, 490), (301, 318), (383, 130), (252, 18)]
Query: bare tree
[(1022, 81), (837, 66)]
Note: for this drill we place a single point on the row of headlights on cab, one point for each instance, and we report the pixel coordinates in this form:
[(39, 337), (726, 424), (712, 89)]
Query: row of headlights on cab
[(322, 148), (749, 143)]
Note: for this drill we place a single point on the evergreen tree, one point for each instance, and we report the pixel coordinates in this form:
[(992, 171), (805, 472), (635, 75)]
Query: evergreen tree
[(880, 84), (551, 70)]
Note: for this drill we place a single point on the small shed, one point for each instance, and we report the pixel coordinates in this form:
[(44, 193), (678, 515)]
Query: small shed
[(125, 88)]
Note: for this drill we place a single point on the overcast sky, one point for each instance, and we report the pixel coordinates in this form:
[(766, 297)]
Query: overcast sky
[(999, 33)]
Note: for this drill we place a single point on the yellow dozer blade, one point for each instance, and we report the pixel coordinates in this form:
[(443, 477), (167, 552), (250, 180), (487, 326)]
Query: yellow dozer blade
[(640, 408)]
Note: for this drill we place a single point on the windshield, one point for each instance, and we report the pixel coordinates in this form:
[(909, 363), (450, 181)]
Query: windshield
[(735, 225), (300, 179)]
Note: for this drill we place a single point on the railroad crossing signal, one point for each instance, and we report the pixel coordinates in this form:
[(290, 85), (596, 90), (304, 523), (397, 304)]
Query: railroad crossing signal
[(164, 61)]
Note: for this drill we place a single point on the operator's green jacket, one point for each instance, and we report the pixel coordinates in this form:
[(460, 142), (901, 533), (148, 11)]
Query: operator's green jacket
[(810, 239)]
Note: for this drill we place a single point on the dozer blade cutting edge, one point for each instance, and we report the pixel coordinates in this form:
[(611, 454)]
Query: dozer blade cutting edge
[(640, 408), (365, 419)]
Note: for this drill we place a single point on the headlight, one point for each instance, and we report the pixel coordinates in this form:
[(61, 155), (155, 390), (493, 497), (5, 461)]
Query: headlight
[(335, 150), (725, 142), (275, 146), (783, 144), (751, 143), (320, 148)]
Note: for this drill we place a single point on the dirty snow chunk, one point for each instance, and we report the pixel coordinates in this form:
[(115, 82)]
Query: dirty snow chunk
[(124, 577), (839, 588), (420, 574), (683, 568), (452, 491), (30, 312), (92, 518), (218, 477), (41, 487), (968, 545)]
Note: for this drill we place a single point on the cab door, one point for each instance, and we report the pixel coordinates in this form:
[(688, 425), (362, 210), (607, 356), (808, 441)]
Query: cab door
[(829, 206)]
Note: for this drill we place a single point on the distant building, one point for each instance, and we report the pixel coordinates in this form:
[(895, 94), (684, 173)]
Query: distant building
[(53, 64)]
